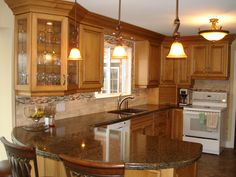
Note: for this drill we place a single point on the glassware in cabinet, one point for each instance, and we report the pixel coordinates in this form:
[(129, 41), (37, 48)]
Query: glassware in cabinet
[(21, 51), (49, 51)]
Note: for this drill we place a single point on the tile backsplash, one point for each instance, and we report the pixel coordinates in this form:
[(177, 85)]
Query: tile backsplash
[(212, 85), (76, 104)]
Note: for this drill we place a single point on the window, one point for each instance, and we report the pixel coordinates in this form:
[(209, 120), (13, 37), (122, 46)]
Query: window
[(117, 73)]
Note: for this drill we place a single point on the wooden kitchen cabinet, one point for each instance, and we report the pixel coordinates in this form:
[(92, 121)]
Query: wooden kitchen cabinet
[(175, 71), (40, 54), (91, 68), (49, 167), (177, 124), (44, 36), (147, 64), (157, 124), (143, 124), (210, 61), (162, 124)]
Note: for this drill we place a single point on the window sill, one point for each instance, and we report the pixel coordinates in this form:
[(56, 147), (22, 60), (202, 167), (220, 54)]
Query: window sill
[(101, 96)]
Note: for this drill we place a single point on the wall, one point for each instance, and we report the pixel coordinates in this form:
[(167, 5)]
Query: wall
[(232, 97), (6, 74)]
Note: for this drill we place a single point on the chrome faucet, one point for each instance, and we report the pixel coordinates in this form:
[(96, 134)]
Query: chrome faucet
[(120, 101)]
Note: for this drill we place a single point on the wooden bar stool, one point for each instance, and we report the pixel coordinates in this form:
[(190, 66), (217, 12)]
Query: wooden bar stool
[(19, 158), (76, 167), (5, 170)]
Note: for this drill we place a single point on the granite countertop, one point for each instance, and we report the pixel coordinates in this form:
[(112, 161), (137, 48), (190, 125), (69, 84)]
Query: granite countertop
[(85, 138)]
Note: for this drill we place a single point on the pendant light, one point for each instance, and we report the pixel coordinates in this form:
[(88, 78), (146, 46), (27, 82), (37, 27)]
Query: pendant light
[(215, 33), (176, 49), (75, 52), (119, 51)]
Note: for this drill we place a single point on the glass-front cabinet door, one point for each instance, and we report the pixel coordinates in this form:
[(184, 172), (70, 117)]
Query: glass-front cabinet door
[(72, 66), (49, 52), (22, 52)]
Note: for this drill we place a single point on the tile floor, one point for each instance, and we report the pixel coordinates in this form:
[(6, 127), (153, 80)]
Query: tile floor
[(223, 165)]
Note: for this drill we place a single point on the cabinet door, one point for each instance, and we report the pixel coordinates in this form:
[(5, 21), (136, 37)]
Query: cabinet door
[(22, 53), (184, 69), (147, 64), (73, 66), (177, 124), (142, 124), (167, 67), (200, 60), (49, 52), (90, 69), (141, 63), (218, 61), (162, 124), (154, 65)]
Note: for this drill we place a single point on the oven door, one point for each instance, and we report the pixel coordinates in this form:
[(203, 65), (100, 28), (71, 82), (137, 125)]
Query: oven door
[(193, 127)]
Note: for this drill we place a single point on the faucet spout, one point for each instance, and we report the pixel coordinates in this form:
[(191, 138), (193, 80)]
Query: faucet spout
[(120, 102)]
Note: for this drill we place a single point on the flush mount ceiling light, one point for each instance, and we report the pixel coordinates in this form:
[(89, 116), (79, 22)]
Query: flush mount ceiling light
[(176, 49), (215, 33), (75, 52), (119, 51)]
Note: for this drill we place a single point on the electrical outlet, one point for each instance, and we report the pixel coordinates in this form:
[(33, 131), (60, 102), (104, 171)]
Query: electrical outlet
[(60, 107)]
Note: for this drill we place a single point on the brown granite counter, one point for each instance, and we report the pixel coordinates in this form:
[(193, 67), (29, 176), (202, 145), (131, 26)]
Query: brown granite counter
[(79, 137)]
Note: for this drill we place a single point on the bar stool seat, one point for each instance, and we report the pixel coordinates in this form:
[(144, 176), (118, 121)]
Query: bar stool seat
[(5, 170)]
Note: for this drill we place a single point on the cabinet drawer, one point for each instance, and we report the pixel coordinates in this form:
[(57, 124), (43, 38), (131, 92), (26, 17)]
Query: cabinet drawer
[(146, 119)]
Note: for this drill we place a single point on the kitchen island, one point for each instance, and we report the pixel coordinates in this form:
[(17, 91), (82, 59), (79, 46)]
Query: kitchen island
[(87, 137)]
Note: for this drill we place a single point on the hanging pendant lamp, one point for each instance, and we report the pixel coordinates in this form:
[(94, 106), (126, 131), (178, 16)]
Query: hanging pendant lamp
[(119, 51), (75, 52), (215, 33), (176, 49)]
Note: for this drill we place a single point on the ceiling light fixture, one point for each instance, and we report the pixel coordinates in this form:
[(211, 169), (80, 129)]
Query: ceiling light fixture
[(176, 49), (75, 52), (215, 33), (119, 51)]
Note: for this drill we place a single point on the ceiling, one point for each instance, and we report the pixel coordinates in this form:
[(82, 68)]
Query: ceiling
[(158, 15)]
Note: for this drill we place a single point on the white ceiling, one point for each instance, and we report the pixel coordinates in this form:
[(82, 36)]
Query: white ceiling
[(158, 15)]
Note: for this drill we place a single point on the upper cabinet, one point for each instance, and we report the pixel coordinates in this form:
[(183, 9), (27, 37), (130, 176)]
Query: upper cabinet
[(147, 64), (40, 54), (43, 39), (210, 61), (175, 71), (92, 49)]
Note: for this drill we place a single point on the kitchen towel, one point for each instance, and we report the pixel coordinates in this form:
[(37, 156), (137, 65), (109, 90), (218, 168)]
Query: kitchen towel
[(212, 120), (202, 118)]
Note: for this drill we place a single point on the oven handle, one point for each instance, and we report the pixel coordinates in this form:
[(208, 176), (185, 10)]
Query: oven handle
[(192, 112)]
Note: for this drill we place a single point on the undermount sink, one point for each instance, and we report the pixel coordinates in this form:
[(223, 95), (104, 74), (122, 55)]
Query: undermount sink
[(128, 111)]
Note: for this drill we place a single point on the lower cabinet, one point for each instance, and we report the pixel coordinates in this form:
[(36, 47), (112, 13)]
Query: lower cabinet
[(162, 124), (188, 171), (53, 168), (50, 168), (157, 124), (143, 124), (167, 123)]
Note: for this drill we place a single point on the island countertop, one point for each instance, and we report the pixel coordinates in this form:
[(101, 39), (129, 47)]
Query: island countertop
[(83, 137)]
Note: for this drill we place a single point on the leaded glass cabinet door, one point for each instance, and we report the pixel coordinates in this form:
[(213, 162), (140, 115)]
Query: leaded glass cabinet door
[(22, 53), (72, 66), (49, 53)]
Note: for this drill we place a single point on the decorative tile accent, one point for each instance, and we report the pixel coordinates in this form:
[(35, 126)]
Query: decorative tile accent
[(76, 104)]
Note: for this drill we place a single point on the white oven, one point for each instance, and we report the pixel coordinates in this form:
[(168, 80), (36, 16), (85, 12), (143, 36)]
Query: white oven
[(203, 122), (194, 127)]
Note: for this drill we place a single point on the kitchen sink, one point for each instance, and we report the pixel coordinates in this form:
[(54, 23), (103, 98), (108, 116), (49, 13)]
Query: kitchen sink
[(129, 111)]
